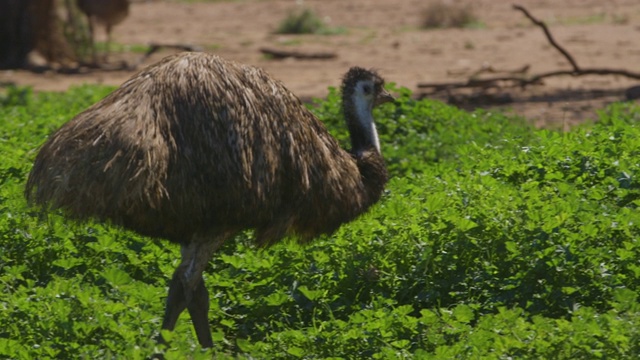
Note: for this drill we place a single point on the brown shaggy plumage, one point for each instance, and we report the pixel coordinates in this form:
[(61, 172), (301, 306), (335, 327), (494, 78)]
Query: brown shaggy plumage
[(195, 148), (197, 145)]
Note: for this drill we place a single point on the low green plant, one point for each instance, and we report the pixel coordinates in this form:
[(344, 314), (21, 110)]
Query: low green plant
[(305, 21), (445, 14), (598, 18), (115, 47), (493, 240)]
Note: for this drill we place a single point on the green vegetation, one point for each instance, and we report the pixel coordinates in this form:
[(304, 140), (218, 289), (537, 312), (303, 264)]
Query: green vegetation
[(494, 240), (441, 14), (291, 42), (76, 31), (305, 21), (115, 47), (598, 18)]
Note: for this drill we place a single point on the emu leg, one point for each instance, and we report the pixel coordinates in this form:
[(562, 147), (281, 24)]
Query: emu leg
[(176, 301), (199, 311), (92, 40), (108, 44), (196, 300), (187, 289)]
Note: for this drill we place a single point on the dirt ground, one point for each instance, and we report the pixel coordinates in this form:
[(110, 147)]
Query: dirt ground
[(386, 35)]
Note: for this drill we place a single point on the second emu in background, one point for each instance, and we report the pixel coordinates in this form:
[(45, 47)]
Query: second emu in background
[(106, 12)]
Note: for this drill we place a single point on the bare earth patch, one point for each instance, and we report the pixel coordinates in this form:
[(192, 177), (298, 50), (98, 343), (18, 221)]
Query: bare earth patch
[(385, 35)]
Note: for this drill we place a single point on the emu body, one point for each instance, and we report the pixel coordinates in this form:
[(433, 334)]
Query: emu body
[(195, 149)]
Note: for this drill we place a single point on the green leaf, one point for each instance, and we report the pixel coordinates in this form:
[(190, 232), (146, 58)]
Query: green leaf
[(569, 290), (9, 348), (463, 313), (68, 263), (512, 247), (296, 351), (277, 298), (465, 224), (167, 335), (116, 276), (311, 294), (244, 344)]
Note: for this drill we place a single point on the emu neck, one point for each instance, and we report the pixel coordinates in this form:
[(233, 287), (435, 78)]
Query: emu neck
[(362, 130)]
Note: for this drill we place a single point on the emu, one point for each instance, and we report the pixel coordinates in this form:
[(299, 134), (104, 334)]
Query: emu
[(195, 149), (107, 12)]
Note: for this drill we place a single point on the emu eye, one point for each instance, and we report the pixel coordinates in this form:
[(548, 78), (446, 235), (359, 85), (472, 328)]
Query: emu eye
[(366, 89)]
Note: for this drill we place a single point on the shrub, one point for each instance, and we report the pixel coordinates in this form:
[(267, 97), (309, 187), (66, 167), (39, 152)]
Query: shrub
[(305, 21), (444, 14), (493, 240)]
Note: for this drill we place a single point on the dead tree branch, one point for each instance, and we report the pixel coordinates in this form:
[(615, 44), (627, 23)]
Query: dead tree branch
[(581, 72), (522, 81), (547, 33), (154, 47), (282, 54)]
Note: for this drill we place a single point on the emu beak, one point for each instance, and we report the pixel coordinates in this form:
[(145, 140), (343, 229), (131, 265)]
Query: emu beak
[(384, 97)]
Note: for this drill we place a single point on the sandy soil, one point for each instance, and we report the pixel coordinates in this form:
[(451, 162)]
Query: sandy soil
[(385, 34)]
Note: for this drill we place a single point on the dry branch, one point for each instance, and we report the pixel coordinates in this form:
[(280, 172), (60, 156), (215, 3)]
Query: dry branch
[(154, 47), (547, 33), (506, 81), (282, 54)]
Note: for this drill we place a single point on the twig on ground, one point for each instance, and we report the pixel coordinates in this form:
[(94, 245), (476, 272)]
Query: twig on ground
[(547, 33), (491, 70), (154, 47), (282, 54), (521, 81)]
